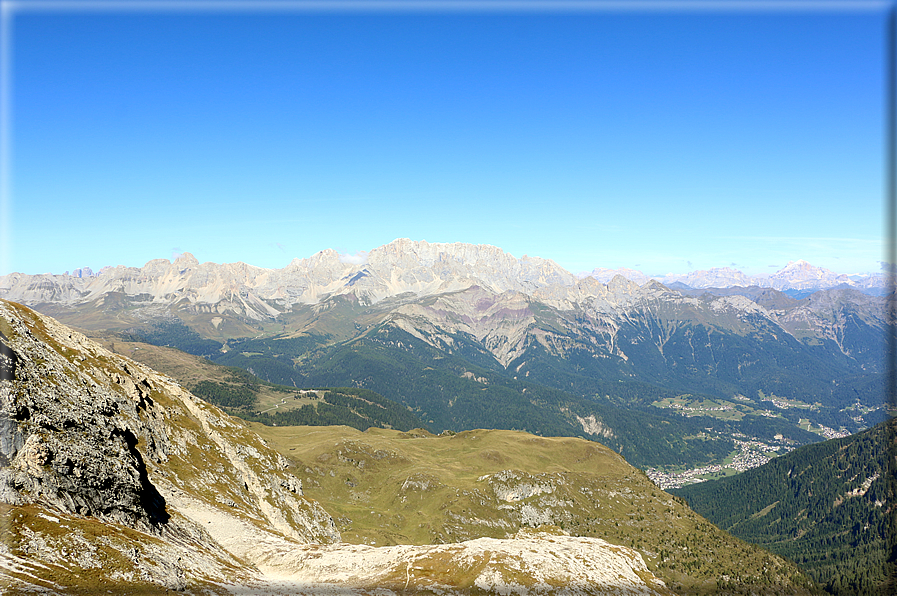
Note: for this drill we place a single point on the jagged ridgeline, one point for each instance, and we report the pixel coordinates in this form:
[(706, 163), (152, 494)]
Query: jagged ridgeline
[(830, 507), (468, 336), (115, 479)]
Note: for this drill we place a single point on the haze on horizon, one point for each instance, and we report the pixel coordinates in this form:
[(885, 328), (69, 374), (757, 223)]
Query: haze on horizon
[(665, 140)]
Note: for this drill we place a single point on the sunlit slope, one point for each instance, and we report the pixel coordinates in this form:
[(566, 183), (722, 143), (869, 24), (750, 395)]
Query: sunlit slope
[(388, 487), (451, 393), (830, 507), (110, 474), (470, 337)]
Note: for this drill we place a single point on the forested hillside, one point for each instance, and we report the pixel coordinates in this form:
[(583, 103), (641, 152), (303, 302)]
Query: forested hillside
[(830, 507), (466, 388), (241, 393), (350, 406)]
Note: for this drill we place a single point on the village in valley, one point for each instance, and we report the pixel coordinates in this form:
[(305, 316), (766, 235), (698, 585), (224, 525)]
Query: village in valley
[(751, 452)]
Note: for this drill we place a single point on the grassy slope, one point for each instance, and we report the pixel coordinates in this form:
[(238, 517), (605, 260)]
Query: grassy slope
[(451, 393), (387, 487)]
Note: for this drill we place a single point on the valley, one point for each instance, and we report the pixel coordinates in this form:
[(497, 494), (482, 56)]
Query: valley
[(155, 489), (751, 453), (748, 452), (448, 298), (371, 383), (827, 506), (467, 336)]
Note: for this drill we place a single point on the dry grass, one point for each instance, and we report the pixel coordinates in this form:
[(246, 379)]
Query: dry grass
[(386, 487)]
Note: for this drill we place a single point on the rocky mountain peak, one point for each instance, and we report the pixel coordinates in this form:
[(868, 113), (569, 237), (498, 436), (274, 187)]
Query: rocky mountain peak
[(605, 275), (186, 260), (401, 268), (621, 284), (799, 264)]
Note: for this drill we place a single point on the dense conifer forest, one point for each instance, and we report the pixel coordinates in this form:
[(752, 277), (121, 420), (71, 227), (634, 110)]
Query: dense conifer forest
[(830, 507)]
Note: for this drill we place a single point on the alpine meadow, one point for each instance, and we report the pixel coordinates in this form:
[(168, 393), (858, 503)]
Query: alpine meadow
[(448, 298)]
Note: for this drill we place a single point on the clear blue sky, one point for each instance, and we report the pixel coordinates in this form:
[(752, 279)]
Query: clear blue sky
[(661, 140)]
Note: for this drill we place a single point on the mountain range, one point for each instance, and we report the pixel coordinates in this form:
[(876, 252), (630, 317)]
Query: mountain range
[(685, 382), (395, 268), (467, 336), (797, 278)]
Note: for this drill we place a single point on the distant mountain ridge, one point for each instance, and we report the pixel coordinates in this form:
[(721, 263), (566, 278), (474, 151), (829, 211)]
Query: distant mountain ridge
[(795, 276), (390, 270), (479, 290), (468, 336), (400, 267)]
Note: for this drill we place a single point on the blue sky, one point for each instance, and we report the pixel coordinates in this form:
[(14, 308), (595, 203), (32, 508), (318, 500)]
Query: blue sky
[(665, 140)]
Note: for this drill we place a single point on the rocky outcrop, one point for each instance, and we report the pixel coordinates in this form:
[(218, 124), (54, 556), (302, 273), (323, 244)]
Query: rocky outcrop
[(115, 477), (84, 428), (532, 563), (89, 434), (69, 437)]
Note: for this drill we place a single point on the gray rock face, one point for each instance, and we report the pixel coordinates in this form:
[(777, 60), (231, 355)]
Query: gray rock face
[(88, 435), (81, 430), (447, 288), (11, 440), (69, 441), (402, 266)]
